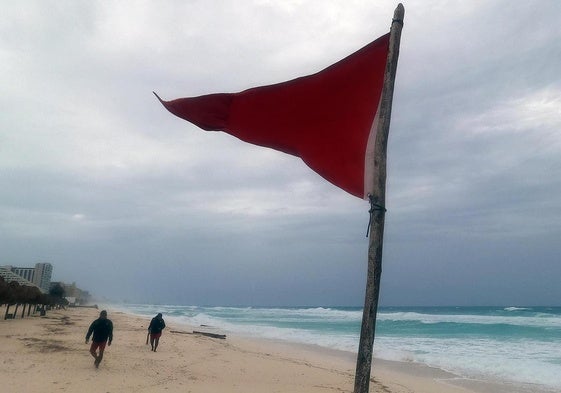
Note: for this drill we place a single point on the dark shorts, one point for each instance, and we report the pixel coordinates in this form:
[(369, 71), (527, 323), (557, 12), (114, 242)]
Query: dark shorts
[(100, 345), (154, 336)]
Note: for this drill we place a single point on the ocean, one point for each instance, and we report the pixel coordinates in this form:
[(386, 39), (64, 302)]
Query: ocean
[(516, 345)]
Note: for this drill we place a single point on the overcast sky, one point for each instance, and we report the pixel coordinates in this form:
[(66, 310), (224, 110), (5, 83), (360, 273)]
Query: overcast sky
[(133, 203)]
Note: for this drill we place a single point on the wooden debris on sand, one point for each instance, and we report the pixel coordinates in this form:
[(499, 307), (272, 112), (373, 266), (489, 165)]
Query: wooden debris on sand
[(213, 335)]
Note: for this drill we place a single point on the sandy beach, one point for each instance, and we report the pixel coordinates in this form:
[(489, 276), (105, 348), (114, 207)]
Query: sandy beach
[(49, 354)]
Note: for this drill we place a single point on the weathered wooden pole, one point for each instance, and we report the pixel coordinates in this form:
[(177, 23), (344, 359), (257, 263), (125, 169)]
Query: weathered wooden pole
[(377, 211)]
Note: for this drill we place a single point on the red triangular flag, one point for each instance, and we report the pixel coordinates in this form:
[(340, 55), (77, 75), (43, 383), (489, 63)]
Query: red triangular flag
[(327, 118)]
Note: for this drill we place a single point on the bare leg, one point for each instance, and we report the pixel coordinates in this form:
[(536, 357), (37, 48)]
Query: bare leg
[(152, 342), (93, 353), (99, 357), (156, 343)]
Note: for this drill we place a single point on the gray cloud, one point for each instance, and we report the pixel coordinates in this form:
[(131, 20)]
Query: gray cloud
[(133, 203)]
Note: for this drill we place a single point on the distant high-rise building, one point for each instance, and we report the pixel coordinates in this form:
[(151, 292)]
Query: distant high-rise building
[(25, 272), (39, 275), (42, 276), (9, 276)]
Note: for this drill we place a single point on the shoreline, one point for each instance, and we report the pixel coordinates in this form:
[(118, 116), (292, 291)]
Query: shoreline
[(385, 373), (392, 368), (51, 349)]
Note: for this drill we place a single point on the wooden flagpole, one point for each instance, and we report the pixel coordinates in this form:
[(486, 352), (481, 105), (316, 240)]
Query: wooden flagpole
[(377, 201)]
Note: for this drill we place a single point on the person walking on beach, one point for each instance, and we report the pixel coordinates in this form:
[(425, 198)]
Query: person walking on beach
[(102, 329), (155, 328)]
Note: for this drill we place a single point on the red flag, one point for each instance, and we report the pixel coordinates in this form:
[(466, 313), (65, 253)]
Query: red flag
[(327, 119)]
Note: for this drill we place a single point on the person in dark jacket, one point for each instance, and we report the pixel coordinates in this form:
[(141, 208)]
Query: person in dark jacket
[(102, 329), (155, 328)]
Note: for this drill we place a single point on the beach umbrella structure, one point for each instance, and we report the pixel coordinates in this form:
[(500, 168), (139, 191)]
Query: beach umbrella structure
[(337, 121)]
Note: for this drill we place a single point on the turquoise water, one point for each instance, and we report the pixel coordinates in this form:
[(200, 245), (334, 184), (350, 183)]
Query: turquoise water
[(519, 345)]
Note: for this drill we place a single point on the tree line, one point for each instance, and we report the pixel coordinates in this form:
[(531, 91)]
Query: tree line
[(13, 293)]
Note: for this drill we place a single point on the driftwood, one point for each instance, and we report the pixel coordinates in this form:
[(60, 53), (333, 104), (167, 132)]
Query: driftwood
[(213, 335), (180, 332)]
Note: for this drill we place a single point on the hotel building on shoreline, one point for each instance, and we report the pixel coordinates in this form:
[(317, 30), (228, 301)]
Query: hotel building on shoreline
[(40, 275)]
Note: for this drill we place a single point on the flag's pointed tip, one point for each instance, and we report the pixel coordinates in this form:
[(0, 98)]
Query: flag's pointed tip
[(158, 97), (164, 103)]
